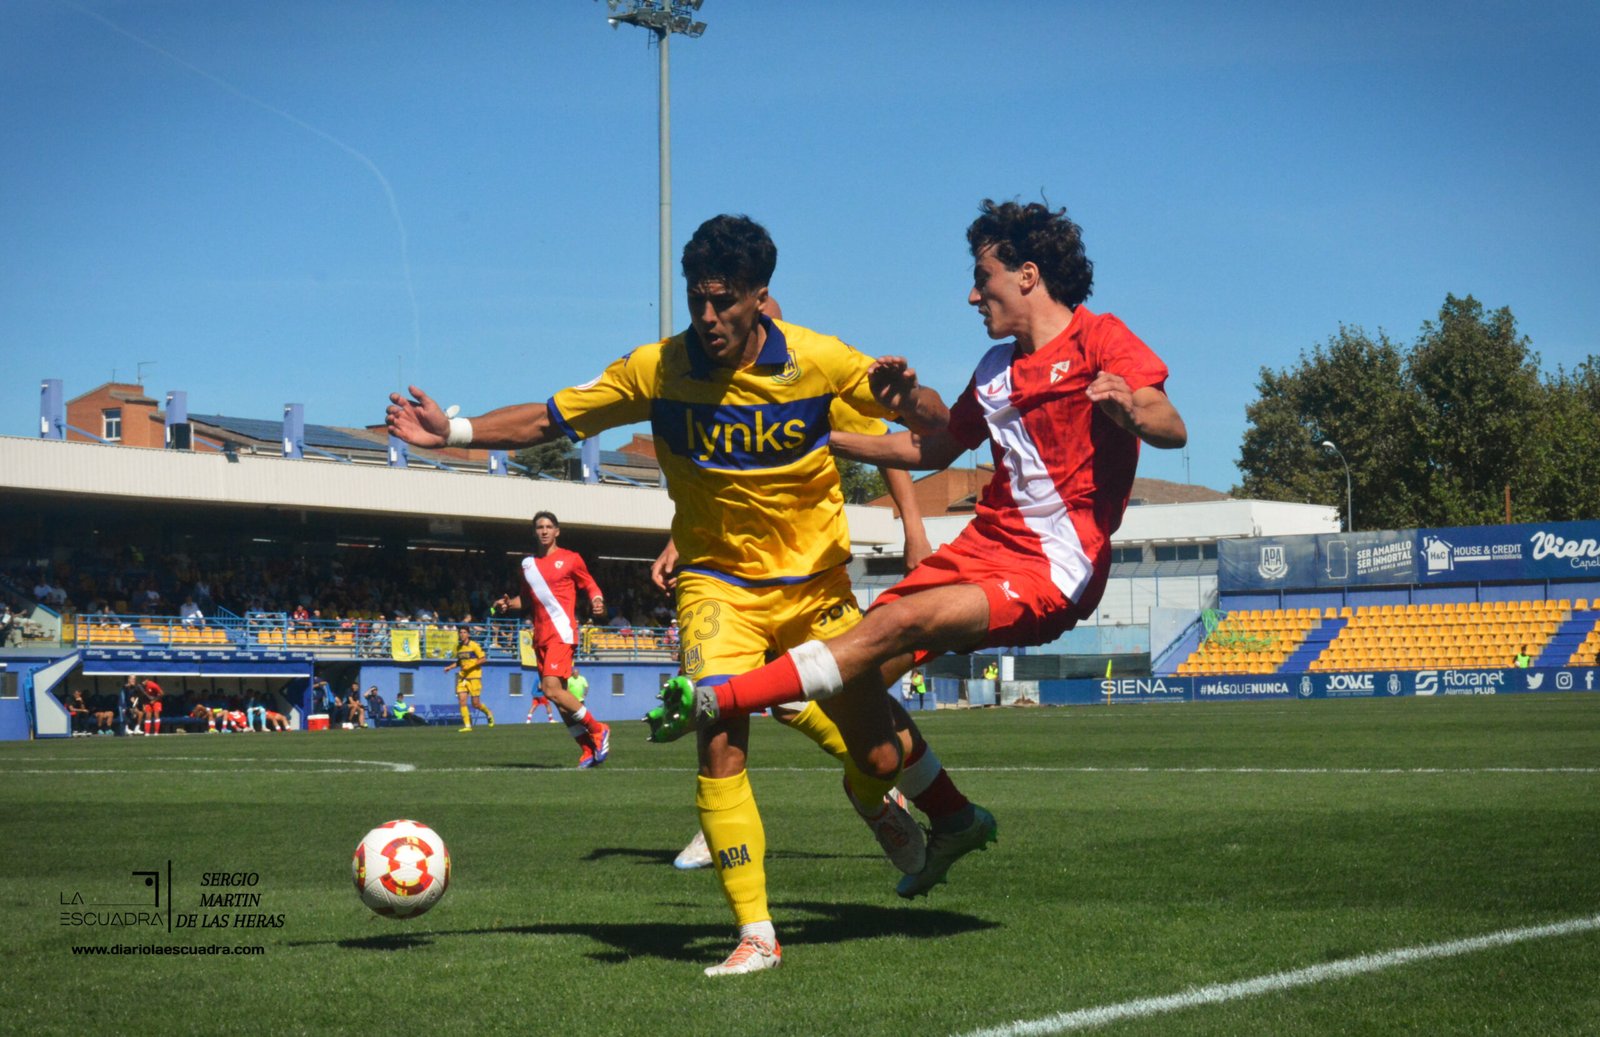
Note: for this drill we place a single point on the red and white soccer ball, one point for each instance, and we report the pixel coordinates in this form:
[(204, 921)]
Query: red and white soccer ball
[(401, 868)]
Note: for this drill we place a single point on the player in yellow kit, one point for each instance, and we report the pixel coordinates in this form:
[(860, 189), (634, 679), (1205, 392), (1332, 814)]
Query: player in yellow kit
[(739, 409), (469, 678)]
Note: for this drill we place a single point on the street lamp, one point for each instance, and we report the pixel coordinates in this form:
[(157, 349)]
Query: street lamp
[(1349, 513), (663, 18)]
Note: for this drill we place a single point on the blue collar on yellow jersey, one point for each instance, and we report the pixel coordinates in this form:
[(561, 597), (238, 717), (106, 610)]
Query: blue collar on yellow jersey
[(774, 351)]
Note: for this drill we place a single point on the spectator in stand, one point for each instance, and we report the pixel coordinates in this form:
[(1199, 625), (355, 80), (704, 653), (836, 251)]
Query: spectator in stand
[(377, 709), (150, 601), (8, 626), (190, 614), (202, 594), (301, 618)]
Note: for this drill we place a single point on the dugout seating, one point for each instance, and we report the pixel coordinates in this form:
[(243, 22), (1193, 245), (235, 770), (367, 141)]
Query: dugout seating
[(1436, 635)]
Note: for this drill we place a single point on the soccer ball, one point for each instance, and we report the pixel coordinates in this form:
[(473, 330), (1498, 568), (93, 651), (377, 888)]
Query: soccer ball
[(401, 868)]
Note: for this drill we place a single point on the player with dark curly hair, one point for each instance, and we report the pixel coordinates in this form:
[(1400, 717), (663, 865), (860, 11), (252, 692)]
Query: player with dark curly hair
[(1033, 233), (1064, 402), (741, 407)]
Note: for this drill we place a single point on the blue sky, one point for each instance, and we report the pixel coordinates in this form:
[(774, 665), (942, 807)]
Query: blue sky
[(307, 201)]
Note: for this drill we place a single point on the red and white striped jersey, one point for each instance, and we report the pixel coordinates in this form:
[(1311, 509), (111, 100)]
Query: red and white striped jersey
[(550, 593), (1063, 471)]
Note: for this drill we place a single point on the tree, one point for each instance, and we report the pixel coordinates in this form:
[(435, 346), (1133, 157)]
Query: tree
[(554, 457), (1433, 434), (1565, 450), (1349, 391), (858, 482), (1478, 387)]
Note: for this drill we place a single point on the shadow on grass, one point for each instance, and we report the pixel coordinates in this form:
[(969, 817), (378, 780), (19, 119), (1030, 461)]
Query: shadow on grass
[(658, 857), (802, 922)]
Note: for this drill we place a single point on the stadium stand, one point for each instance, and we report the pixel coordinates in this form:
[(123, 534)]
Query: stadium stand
[(1438, 635)]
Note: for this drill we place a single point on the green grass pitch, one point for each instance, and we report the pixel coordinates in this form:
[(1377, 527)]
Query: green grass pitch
[(1143, 852)]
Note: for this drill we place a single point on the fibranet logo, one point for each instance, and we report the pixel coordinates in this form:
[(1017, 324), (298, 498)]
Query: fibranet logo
[(1427, 682), (1473, 682)]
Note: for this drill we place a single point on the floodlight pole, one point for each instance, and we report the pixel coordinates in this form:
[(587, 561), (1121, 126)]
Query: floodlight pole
[(662, 18), (1349, 513), (664, 124)]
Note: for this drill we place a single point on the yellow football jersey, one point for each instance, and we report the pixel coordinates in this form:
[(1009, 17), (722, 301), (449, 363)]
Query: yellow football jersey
[(744, 451), (469, 660)]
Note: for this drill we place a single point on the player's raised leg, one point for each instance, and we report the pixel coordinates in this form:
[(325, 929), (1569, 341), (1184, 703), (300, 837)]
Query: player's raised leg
[(849, 674)]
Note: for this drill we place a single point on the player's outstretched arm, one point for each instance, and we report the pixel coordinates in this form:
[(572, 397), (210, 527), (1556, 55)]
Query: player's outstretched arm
[(505, 603), (1146, 412), (894, 384), (420, 421), (932, 451), (904, 495)]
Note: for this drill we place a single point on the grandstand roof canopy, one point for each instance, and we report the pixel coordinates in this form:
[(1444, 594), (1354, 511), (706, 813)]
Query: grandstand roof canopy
[(104, 477)]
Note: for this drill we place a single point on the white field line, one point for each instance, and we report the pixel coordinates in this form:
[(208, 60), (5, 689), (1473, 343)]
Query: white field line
[(341, 766), (1218, 993), (221, 765)]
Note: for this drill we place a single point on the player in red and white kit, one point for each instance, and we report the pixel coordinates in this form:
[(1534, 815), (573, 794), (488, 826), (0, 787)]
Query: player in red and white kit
[(152, 707), (551, 579), (1064, 404)]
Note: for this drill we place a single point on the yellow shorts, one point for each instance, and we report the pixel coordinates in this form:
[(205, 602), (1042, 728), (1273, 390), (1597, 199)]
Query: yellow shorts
[(472, 689), (727, 630)]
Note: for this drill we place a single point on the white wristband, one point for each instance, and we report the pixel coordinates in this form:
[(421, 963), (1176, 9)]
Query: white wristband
[(460, 432)]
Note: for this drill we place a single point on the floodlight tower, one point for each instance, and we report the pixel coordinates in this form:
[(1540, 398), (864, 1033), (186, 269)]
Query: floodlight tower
[(662, 18)]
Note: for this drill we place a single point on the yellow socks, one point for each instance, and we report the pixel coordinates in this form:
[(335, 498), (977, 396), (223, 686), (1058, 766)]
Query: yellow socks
[(738, 843)]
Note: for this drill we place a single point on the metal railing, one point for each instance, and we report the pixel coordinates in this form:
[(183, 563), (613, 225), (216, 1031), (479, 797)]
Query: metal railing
[(403, 640)]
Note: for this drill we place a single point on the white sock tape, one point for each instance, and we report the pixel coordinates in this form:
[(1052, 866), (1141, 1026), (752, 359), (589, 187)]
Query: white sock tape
[(819, 673), (915, 779), (460, 433)]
